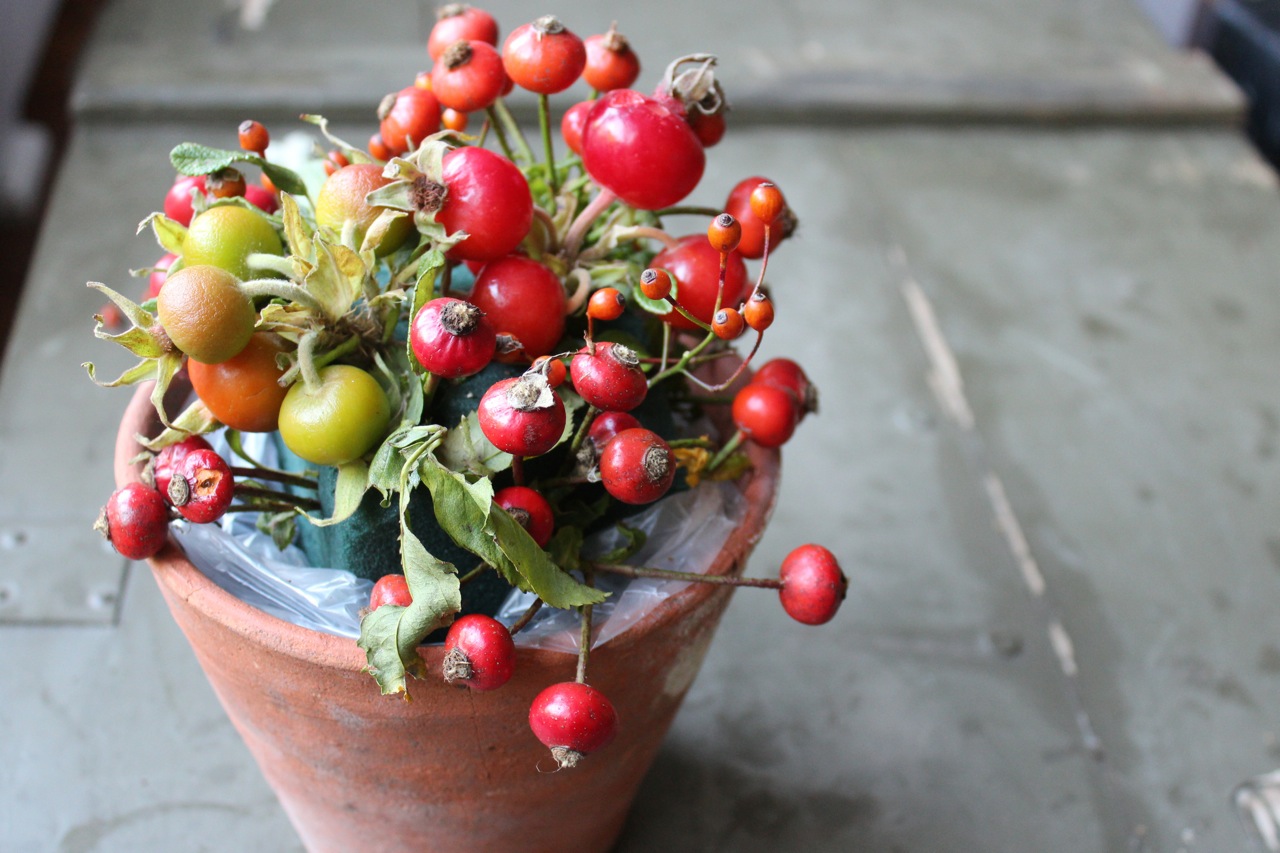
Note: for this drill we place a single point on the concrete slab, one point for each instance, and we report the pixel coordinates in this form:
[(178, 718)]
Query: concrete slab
[(861, 60), (1043, 356)]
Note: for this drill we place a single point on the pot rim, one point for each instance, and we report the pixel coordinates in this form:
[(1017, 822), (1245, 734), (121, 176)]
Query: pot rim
[(181, 577)]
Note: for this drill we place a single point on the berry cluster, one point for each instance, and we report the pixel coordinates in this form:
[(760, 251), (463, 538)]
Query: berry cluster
[(432, 267)]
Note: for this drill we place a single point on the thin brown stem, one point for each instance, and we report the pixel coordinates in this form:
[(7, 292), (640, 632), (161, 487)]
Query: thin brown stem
[(520, 624), (691, 577)]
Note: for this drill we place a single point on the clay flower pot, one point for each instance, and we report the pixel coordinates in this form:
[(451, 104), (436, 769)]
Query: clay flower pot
[(449, 770)]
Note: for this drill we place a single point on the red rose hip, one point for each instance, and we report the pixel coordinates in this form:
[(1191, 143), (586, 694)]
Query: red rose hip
[(609, 378), (637, 466), (813, 585), (451, 338), (390, 589), (479, 653), (522, 416), (574, 720), (135, 521)]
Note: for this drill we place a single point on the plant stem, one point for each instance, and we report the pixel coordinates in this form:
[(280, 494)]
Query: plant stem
[(583, 429), (684, 312), (276, 288), (582, 222), (509, 124), (689, 210), (347, 346), (584, 637), (691, 577), (731, 445), (274, 476), (473, 574), (680, 365), (517, 469), (276, 497), (544, 123), (526, 617), (498, 132)]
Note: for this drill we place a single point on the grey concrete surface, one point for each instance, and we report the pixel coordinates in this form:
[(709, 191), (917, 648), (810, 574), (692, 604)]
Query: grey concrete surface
[(857, 60), (1046, 456)]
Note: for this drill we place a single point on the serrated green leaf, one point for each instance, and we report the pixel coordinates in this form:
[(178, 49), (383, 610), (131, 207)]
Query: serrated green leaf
[(190, 158), (495, 537), (465, 448)]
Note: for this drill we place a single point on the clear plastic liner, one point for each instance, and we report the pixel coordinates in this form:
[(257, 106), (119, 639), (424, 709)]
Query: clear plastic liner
[(684, 531)]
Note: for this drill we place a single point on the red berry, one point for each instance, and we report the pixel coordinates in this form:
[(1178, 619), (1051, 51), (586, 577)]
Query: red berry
[(156, 280), (522, 416), (378, 149), (812, 585), (609, 378), (530, 509), (170, 459), (177, 203), (766, 414), (408, 117), (262, 198), (525, 299), (611, 63), (608, 424), (574, 720), (637, 466), (695, 264), (544, 56), (728, 324), (655, 283), (203, 487), (488, 198), (758, 312), (225, 183), (479, 653), (451, 338), (786, 374), (254, 137), (766, 201), (740, 205), (468, 76), (390, 589), (606, 303), (708, 127), (641, 149), (135, 521), (454, 120), (552, 368), (459, 21), (724, 232), (572, 123)]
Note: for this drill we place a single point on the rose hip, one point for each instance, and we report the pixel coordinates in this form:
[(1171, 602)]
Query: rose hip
[(479, 653), (813, 585), (135, 521)]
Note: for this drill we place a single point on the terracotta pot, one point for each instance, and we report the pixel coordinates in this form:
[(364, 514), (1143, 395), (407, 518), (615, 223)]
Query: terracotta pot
[(449, 770)]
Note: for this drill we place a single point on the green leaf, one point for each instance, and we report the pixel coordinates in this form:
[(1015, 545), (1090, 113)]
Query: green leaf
[(653, 306), (379, 637), (465, 448), (348, 492), (194, 420), (169, 234), (565, 547), (296, 233), (167, 366), (282, 527), (132, 311), (190, 158), (351, 152), (465, 511), (140, 372), (635, 540), (335, 281)]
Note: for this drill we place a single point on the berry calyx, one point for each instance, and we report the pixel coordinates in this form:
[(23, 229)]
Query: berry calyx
[(530, 509), (451, 338), (522, 416), (203, 488), (135, 521), (637, 466), (390, 589), (574, 720), (608, 376), (813, 585), (479, 653)]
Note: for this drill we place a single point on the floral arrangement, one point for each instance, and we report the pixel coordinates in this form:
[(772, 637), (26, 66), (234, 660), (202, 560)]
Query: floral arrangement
[(505, 347)]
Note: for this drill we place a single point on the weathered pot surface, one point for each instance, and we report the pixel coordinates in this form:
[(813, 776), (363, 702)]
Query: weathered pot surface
[(449, 770)]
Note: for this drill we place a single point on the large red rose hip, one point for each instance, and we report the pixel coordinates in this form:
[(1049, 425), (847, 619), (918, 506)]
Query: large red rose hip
[(489, 199), (523, 298), (642, 150)]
